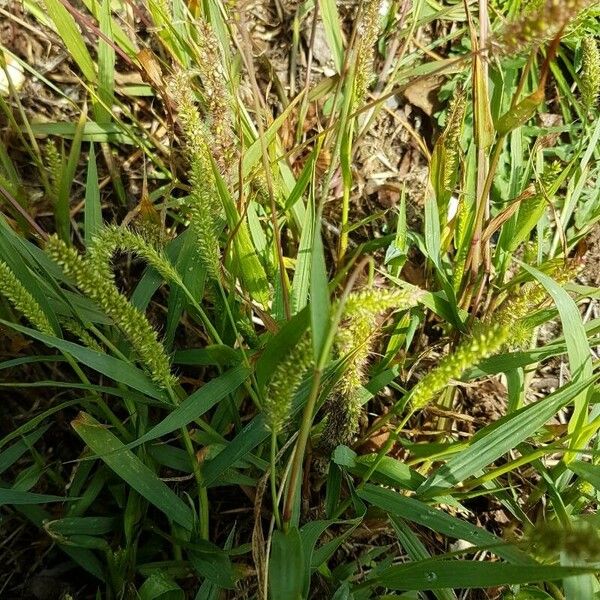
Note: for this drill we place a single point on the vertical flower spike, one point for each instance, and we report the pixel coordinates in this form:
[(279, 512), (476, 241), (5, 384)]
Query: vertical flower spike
[(354, 341), (130, 320), (366, 35), (22, 300), (217, 97), (284, 383), (205, 209), (445, 159), (590, 73), (54, 165)]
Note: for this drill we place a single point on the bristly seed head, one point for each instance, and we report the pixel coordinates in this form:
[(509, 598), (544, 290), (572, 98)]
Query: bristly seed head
[(90, 277), (22, 300), (590, 73), (540, 22), (354, 342)]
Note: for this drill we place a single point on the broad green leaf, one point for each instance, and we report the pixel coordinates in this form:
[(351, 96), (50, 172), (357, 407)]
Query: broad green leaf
[(214, 566), (19, 497), (62, 210), (132, 470), (521, 113), (333, 31), (587, 471), (159, 586), (301, 280), (506, 433), (92, 216), (195, 405), (251, 271), (81, 526), (416, 511), (529, 593), (578, 348), (114, 368), (106, 66), (11, 455), (92, 131), (287, 565), (254, 152), (468, 574), (319, 297), (416, 551)]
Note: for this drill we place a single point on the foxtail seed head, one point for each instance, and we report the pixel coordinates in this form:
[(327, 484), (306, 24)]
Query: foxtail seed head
[(540, 22), (590, 74), (284, 383), (354, 341), (205, 209), (580, 541), (111, 239), (484, 342), (129, 319), (367, 33), (22, 300)]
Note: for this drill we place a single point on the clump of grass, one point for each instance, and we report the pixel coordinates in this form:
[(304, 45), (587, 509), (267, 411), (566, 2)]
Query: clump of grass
[(158, 503)]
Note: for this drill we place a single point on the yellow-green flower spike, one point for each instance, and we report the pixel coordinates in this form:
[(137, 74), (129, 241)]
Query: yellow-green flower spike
[(367, 33), (484, 342), (590, 73), (284, 383), (540, 22), (22, 300), (205, 208), (354, 341), (111, 239), (129, 319)]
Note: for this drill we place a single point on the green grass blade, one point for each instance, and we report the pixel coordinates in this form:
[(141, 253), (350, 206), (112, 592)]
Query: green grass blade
[(416, 511), (92, 210), (195, 405), (20, 497), (578, 348), (319, 297), (333, 31), (287, 565), (498, 438), (106, 67), (457, 574), (63, 200), (68, 31), (132, 470), (417, 551), (114, 368)]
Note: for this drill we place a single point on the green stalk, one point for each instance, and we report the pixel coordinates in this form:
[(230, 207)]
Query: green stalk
[(274, 497), (203, 507), (309, 409), (300, 448)]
